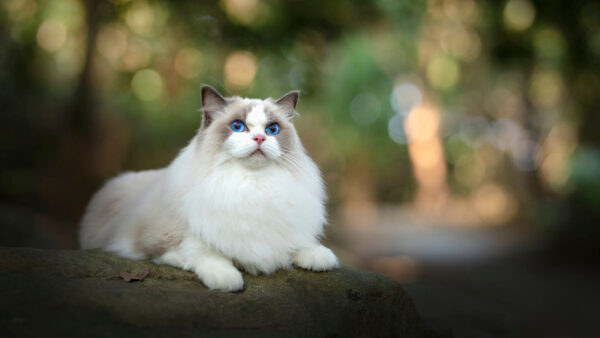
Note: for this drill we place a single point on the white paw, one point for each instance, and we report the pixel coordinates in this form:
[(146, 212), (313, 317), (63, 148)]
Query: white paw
[(318, 258), (222, 277)]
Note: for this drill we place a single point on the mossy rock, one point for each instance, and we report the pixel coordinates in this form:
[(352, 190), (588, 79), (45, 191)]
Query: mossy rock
[(80, 293)]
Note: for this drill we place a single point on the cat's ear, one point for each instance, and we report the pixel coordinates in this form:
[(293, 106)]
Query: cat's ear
[(288, 103), (212, 104)]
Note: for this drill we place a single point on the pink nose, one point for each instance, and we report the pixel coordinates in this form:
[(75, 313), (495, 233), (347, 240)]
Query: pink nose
[(259, 139)]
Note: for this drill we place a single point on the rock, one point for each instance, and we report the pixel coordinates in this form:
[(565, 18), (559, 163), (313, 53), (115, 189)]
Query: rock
[(80, 293)]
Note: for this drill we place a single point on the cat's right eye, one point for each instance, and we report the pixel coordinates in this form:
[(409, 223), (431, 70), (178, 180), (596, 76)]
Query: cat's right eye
[(238, 126)]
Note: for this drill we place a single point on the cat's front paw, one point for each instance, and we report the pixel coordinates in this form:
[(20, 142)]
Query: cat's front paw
[(222, 278), (318, 258)]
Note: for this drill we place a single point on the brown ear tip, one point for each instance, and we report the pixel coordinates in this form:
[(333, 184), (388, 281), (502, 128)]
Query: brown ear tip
[(290, 96), (296, 96), (209, 91)]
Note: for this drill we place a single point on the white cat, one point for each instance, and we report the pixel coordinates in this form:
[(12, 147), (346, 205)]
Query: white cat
[(242, 193)]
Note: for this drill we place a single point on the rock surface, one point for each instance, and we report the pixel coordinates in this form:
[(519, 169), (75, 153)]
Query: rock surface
[(80, 293)]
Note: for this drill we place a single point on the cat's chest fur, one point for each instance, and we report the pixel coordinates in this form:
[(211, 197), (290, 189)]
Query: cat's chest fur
[(256, 217)]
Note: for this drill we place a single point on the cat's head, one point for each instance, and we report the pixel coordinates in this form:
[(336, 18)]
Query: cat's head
[(252, 131)]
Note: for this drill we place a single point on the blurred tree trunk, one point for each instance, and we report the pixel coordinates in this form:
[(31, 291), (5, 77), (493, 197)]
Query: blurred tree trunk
[(73, 171), (79, 115)]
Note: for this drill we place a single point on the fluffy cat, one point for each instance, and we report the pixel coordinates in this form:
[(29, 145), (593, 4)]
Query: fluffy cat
[(242, 193)]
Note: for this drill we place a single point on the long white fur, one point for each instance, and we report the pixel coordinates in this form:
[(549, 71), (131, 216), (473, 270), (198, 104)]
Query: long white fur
[(212, 213)]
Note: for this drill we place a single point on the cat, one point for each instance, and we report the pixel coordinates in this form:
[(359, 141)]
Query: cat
[(242, 194)]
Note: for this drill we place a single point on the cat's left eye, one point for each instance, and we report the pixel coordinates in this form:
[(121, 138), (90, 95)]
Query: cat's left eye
[(272, 129), (238, 126)]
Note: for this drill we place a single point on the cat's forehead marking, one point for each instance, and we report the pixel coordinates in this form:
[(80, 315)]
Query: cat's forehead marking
[(256, 116)]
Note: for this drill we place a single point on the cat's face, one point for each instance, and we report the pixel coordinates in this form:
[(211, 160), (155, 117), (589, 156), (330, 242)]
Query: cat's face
[(254, 132)]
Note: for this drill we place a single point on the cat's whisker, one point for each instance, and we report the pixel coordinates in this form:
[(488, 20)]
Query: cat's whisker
[(290, 159), (294, 163)]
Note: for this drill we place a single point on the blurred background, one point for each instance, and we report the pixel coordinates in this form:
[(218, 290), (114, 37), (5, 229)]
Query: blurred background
[(458, 138)]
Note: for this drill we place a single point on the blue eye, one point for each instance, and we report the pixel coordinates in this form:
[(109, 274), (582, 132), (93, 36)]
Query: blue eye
[(272, 129), (238, 126)]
